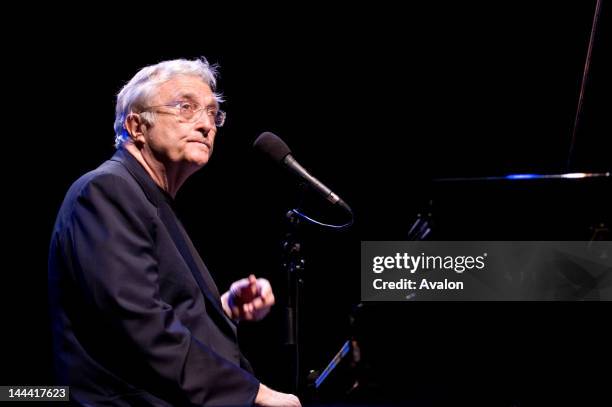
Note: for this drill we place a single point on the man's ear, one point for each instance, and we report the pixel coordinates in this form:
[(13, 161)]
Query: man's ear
[(136, 127)]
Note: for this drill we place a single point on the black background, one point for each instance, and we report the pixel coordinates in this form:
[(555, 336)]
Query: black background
[(376, 102)]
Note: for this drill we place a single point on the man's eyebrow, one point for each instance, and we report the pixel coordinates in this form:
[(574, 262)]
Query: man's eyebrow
[(194, 98)]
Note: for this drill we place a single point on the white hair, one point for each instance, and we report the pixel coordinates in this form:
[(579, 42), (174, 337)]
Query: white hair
[(137, 92)]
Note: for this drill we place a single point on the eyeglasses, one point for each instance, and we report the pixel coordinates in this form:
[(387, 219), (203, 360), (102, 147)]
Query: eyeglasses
[(191, 112)]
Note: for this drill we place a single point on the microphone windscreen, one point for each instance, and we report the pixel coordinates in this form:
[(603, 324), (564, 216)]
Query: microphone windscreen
[(272, 145)]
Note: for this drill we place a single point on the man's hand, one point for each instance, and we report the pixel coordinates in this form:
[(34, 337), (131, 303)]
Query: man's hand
[(249, 299), (266, 397)]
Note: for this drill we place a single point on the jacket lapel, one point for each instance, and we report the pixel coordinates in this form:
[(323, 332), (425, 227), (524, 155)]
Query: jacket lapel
[(169, 219)]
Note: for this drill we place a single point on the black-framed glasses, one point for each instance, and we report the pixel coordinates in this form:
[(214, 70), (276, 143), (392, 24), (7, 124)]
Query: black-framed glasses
[(191, 112)]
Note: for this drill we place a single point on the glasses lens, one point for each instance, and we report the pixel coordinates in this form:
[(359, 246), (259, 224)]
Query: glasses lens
[(220, 118), (188, 112)]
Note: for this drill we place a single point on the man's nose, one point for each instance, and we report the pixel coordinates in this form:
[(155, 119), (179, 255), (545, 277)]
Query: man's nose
[(205, 122)]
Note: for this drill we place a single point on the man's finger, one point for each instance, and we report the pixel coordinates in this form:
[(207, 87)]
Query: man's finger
[(258, 303), (252, 288), (269, 299)]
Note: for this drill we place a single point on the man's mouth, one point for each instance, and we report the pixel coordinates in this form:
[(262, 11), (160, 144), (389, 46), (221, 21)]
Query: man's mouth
[(200, 142)]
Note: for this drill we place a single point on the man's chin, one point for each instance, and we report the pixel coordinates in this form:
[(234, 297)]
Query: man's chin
[(199, 156), (199, 160)]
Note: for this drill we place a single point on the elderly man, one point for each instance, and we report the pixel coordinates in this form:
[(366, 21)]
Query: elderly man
[(137, 318)]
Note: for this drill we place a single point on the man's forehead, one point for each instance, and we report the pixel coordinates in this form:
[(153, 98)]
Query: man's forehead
[(187, 87), (193, 96)]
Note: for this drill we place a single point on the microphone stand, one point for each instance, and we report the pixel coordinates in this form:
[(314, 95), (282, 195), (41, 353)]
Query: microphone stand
[(293, 265)]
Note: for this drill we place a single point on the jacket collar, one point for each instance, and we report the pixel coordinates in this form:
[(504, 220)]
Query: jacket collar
[(153, 192)]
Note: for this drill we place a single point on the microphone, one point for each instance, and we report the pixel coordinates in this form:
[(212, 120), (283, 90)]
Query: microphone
[(275, 148)]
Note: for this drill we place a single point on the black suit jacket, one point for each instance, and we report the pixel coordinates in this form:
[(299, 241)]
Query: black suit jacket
[(136, 316)]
